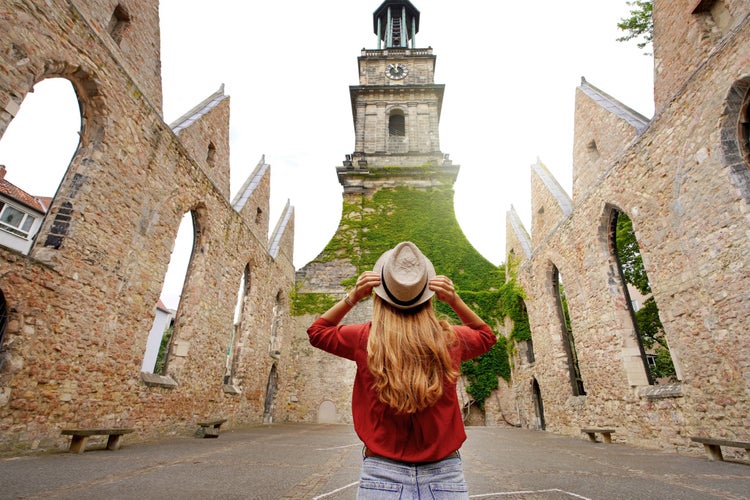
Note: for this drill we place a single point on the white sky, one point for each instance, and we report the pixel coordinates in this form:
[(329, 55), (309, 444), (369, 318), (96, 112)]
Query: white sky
[(510, 70)]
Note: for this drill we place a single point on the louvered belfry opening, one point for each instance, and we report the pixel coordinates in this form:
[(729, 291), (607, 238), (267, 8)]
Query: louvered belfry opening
[(396, 23)]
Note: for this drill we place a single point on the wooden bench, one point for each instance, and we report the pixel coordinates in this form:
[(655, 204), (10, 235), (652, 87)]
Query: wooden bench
[(713, 446), (80, 436), (210, 428), (606, 434)]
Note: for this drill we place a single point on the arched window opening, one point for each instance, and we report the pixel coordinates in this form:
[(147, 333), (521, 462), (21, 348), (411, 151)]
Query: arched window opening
[(235, 336), (274, 346), (171, 296), (397, 124), (211, 154), (522, 331), (744, 127), (649, 332), (3, 326), (35, 152), (273, 378), (569, 345), (536, 396), (118, 23)]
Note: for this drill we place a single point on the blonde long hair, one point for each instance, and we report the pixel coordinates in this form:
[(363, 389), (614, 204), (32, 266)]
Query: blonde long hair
[(408, 355)]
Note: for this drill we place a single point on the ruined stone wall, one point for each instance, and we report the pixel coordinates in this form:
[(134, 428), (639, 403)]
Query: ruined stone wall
[(596, 146), (82, 303), (684, 35), (690, 216), (130, 30)]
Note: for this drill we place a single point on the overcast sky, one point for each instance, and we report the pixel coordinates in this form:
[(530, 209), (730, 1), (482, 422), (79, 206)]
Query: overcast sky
[(510, 71)]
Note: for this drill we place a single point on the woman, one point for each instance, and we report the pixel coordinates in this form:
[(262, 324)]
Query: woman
[(404, 403)]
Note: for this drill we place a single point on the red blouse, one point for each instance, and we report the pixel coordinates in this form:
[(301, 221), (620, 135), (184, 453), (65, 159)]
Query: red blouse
[(424, 436)]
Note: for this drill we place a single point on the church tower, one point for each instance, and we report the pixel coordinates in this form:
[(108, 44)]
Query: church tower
[(396, 108), (397, 183), (397, 186)]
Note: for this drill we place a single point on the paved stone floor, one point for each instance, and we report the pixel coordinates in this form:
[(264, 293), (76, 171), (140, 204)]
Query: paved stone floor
[(322, 462)]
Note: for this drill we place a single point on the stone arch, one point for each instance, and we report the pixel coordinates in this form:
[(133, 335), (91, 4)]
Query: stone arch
[(626, 284), (734, 125), (62, 211), (631, 348), (567, 338), (240, 316), (275, 341), (396, 134), (538, 404), (178, 349), (396, 122), (327, 412), (271, 386)]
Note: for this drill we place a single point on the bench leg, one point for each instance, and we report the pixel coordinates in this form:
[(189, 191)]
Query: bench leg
[(607, 437), (211, 432), (592, 436), (77, 444), (113, 441), (713, 451)]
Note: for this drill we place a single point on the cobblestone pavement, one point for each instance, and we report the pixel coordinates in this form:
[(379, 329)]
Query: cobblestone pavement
[(322, 461)]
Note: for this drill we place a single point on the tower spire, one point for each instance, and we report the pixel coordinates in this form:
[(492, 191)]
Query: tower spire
[(396, 23)]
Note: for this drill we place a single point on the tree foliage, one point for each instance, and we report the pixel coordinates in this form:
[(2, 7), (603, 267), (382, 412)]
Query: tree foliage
[(640, 24), (629, 255), (647, 317)]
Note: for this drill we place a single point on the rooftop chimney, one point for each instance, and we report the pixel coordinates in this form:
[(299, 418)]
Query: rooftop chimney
[(2, 172)]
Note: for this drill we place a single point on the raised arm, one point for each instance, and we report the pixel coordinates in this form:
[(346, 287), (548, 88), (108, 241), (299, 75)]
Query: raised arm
[(365, 283), (445, 291)]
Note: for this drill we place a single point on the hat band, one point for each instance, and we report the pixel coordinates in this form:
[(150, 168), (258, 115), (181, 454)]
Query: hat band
[(397, 301)]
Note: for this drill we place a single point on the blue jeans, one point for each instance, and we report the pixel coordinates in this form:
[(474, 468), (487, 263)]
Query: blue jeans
[(382, 479)]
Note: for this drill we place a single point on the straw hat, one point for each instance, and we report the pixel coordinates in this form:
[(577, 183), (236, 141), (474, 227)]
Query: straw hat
[(404, 274)]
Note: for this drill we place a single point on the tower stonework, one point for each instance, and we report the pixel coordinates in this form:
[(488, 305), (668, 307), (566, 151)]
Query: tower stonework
[(397, 185)]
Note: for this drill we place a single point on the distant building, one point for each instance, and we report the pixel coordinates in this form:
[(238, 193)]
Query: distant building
[(162, 321), (21, 215)]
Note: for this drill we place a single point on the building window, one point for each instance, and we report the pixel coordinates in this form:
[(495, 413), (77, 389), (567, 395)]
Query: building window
[(118, 23), (744, 127), (15, 221), (397, 125)]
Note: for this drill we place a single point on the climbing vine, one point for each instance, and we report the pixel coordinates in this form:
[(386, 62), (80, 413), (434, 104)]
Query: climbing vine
[(371, 225)]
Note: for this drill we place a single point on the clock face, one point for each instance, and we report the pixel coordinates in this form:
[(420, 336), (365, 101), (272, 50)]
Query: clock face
[(396, 71)]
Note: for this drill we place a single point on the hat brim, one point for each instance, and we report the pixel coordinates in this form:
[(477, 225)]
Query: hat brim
[(380, 289)]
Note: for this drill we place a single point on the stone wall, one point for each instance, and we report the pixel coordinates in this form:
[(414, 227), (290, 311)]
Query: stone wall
[(680, 180), (82, 302)]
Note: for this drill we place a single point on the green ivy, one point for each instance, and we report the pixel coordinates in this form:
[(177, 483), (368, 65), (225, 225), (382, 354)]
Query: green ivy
[(311, 303), (371, 225)]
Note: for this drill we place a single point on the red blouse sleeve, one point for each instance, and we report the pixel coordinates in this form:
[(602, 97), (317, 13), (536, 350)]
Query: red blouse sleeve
[(474, 342), (341, 340)]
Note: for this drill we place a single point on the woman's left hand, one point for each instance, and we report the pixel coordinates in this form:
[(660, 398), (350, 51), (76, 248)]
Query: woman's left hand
[(365, 283)]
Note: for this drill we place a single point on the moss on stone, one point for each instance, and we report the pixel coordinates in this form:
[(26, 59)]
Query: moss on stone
[(371, 225)]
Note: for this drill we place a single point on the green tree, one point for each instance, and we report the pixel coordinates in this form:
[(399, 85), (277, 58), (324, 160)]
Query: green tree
[(161, 358), (647, 317), (640, 24), (629, 255)]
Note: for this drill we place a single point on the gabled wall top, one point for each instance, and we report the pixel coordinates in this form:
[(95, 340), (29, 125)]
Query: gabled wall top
[(606, 101)]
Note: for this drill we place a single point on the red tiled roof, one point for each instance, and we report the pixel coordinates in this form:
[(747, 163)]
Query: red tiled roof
[(21, 196)]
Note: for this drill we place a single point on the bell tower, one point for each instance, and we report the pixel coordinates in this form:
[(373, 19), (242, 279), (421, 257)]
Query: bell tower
[(398, 186), (396, 108)]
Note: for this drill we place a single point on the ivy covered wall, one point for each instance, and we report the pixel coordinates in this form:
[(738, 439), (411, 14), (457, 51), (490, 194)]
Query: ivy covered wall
[(372, 224)]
